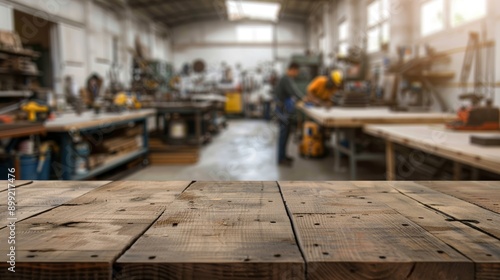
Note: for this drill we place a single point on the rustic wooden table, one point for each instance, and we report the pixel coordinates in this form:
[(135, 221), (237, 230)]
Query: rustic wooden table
[(347, 121), (254, 230), (436, 139)]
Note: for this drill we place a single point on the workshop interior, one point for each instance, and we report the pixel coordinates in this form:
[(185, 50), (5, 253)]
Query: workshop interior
[(249, 139), (249, 90)]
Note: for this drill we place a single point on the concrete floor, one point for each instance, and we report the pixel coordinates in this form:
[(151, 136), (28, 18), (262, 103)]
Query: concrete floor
[(247, 150)]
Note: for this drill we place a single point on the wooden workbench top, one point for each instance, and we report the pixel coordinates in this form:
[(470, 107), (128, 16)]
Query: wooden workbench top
[(256, 230), (358, 117), (182, 105), (210, 97), (71, 121), (439, 140), (21, 129)]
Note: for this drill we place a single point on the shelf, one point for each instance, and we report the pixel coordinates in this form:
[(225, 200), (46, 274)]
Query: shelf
[(110, 165), (21, 129), (24, 53), (15, 93), (19, 73)]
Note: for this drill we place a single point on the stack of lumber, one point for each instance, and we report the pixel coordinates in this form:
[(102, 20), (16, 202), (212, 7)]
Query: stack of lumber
[(121, 145), (162, 154), (127, 142)]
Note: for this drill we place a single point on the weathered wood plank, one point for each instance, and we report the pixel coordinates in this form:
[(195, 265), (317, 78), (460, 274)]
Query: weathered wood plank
[(481, 194), (481, 248), (18, 184), (83, 238), (371, 242), (455, 208), (37, 197), (218, 231)]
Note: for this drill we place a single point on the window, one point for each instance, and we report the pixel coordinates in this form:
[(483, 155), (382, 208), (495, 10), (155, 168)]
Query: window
[(343, 38), (373, 40), (432, 17), (239, 9), (434, 12), (378, 24), (463, 11), (254, 34)]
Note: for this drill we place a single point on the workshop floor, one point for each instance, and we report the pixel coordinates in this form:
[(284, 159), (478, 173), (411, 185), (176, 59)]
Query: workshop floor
[(247, 150)]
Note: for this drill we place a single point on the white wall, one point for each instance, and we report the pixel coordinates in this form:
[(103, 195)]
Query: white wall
[(6, 22), (216, 41), (457, 38), (54, 10)]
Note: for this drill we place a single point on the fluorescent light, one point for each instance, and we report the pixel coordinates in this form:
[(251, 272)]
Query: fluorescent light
[(239, 9)]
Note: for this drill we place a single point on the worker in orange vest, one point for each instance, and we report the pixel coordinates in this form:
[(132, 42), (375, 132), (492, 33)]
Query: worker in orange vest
[(322, 88)]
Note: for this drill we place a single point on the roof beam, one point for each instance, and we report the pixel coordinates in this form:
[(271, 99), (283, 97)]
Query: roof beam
[(154, 3)]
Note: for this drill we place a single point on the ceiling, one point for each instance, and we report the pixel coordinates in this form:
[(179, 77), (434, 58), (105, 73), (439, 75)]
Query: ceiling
[(178, 12)]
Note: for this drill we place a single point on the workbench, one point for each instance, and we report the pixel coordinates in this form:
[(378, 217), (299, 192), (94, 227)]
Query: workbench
[(219, 108), (346, 121), (436, 139), (185, 109), (67, 126), (23, 129), (254, 230), (19, 130)]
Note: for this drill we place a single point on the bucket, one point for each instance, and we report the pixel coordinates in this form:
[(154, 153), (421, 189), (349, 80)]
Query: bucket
[(28, 164)]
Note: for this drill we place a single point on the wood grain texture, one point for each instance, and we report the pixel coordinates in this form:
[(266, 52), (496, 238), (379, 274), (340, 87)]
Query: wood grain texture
[(358, 117), (18, 184), (457, 209), (41, 196), (249, 230), (479, 247), (478, 193), (453, 145), (371, 242), (218, 231), (82, 238)]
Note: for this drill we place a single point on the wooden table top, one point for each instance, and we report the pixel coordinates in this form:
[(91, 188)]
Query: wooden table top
[(439, 140), (208, 97), (21, 130), (255, 230), (358, 117), (71, 121), (183, 105)]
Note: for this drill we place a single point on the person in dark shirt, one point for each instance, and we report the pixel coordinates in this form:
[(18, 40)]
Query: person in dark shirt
[(287, 94)]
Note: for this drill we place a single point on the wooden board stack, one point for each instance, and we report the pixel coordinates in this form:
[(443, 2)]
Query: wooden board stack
[(161, 154)]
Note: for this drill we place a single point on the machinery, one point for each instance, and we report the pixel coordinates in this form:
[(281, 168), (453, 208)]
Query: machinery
[(35, 110), (477, 116), (310, 66), (312, 141), (483, 118)]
